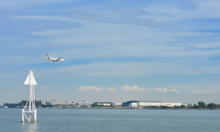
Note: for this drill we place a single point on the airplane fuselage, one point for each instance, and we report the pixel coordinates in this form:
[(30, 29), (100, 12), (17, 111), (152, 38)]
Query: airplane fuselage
[(55, 59)]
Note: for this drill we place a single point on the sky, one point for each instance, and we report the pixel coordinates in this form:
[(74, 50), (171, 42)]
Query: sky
[(118, 50)]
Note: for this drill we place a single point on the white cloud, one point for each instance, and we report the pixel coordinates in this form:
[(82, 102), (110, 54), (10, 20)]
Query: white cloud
[(60, 18), (198, 89), (126, 69), (135, 88), (43, 87), (182, 51), (89, 88), (203, 10), (94, 88), (174, 91), (203, 92), (195, 34), (126, 88), (161, 90), (112, 89), (107, 38), (25, 3)]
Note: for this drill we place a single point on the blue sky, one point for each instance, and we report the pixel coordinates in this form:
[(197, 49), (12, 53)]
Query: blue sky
[(115, 51)]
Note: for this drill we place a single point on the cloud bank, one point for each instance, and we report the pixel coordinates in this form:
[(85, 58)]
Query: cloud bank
[(203, 92), (94, 88), (126, 88), (135, 88)]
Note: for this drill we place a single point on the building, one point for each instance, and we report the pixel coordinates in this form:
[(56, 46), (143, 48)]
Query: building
[(150, 103), (68, 103), (61, 103), (103, 103), (116, 104), (83, 104), (6, 107), (188, 104), (133, 104)]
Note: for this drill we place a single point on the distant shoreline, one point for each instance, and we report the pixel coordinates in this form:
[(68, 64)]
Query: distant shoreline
[(119, 108)]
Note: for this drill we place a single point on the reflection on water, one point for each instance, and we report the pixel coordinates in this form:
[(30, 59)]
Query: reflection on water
[(29, 127)]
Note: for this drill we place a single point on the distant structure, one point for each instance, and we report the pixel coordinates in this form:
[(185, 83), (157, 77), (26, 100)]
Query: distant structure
[(189, 104), (82, 104), (68, 103), (60, 103), (32, 109), (103, 103), (150, 103), (117, 104), (6, 107)]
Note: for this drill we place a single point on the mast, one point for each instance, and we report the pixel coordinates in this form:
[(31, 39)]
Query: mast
[(32, 109)]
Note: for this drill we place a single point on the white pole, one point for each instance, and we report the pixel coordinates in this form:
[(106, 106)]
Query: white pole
[(35, 115), (33, 98), (22, 116), (30, 98), (34, 107), (29, 117)]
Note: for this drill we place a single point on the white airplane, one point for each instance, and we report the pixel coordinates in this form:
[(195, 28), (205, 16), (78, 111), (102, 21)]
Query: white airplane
[(54, 59)]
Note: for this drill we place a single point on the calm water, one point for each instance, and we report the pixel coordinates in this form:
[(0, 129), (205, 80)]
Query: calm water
[(112, 120)]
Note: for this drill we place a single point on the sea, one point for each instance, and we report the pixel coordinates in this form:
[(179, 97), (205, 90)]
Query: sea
[(112, 120)]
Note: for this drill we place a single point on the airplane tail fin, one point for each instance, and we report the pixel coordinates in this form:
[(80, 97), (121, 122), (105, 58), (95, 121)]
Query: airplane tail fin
[(47, 55)]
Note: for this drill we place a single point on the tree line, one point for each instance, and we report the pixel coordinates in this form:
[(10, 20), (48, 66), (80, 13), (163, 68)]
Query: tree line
[(200, 105), (22, 104)]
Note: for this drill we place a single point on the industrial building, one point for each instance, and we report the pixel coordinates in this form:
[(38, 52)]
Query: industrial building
[(103, 103), (150, 103), (68, 103), (117, 104), (189, 104), (61, 103), (83, 104)]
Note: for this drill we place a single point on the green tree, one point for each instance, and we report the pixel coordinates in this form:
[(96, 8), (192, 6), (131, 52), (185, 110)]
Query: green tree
[(164, 107), (11, 105), (38, 103), (182, 106), (176, 107), (94, 105), (195, 106), (23, 102), (212, 106), (201, 104), (43, 105)]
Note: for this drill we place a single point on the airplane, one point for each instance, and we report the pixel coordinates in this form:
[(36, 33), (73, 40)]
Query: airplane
[(54, 59)]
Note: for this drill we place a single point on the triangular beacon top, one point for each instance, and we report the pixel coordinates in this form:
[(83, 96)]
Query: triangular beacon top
[(30, 79)]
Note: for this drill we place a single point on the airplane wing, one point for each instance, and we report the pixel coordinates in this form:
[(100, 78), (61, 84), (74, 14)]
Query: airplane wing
[(58, 59)]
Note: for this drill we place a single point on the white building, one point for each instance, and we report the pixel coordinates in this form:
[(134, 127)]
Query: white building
[(188, 104), (83, 104), (133, 105), (118, 104), (103, 103), (150, 103), (62, 103), (6, 107), (68, 103)]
